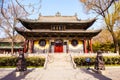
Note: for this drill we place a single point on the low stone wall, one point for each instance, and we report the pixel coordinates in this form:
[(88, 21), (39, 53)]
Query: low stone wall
[(5, 55), (35, 55), (93, 54), (45, 54), (26, 55)]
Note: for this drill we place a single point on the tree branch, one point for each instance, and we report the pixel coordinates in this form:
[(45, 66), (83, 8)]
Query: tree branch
[(21, 6)]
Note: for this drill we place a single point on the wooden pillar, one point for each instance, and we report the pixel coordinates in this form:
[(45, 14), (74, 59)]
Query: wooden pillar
[(25, 46), (91, 45), (85, 47), (31, 46), (88, 46)]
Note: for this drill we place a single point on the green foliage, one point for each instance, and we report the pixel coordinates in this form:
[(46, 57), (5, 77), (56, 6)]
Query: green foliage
[(80, 61), (111, 60), (8, 61), (103, 46), (3, 44), (31, 61), (35, 61)]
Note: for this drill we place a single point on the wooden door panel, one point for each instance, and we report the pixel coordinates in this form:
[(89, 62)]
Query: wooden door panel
[(58, 49)]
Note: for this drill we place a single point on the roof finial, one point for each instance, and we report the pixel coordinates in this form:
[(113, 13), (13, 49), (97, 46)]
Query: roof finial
[(40, 14), (58, 14), (75, 14)]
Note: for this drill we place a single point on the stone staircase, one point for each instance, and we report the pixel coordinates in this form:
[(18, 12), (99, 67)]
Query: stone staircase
[(59, 61)]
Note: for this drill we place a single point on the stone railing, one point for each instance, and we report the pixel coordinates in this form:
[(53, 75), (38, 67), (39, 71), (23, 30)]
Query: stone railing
[(46, 62), (35, 55), (73, 63), (25, 54)]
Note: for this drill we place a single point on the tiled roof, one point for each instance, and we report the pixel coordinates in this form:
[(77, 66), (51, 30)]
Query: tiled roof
[(64, 31), (58, 19), (18, 38)]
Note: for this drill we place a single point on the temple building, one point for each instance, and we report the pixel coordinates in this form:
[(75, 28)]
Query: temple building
[(57, 34), (5, 44)]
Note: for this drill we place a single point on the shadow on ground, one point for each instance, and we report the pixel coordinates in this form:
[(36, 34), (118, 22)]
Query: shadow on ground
[(95, 75), (12, 75)]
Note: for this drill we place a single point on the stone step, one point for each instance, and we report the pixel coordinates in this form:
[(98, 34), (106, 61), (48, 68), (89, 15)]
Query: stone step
[(59, 65), (59, 61)]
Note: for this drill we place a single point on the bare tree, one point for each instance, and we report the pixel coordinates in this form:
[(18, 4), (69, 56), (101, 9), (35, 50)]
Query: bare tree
[(8, 17), (10, 11), (102, 8)]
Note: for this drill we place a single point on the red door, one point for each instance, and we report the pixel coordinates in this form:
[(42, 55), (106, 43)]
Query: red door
[(58, 49), (58, 46)]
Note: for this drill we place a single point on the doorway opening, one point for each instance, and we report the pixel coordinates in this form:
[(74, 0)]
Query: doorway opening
[(58, 48)]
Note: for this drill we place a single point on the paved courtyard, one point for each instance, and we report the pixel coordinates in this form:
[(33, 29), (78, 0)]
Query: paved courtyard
[(111, 73), (61, 69)]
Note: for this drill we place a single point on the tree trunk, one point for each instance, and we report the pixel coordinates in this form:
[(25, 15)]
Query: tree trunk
[(119, 45), (115, 42), (12, 46), (119, 50)]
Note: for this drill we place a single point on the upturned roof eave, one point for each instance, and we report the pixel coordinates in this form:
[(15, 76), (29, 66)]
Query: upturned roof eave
[(37, 21), (34, 33), (59, 31), (31, 24)]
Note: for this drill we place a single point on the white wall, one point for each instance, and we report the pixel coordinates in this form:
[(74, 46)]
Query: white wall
[(76, 49)]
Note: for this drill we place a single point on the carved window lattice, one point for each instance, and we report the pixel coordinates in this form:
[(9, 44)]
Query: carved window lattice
[(42, 42), (58, 27), (74, 42)]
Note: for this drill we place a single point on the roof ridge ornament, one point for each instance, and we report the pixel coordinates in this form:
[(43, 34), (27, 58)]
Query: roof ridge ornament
[(58, 14), (76, 15), (40, 14)]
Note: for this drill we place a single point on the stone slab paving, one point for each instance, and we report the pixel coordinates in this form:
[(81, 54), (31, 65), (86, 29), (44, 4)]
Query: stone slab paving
[(6, 72), (113, 73), (61, 74)]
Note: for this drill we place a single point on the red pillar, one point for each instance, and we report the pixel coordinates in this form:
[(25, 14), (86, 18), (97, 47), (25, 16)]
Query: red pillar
[(85, 46), (91, 46), (25, 46), (32, 44)]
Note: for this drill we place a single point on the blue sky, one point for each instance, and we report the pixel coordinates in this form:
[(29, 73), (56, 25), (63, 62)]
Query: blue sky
[(65, 7)]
